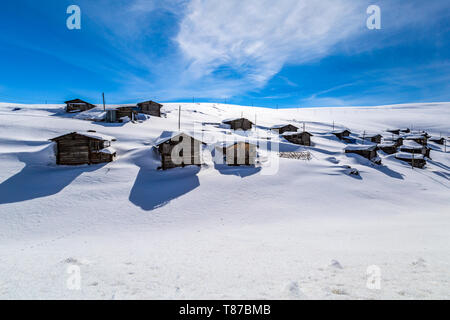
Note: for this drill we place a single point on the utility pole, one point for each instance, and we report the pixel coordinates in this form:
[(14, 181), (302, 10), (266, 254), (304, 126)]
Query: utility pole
[(333, 125), (364, 137), (179, 118), (304, 127), (104, 107)]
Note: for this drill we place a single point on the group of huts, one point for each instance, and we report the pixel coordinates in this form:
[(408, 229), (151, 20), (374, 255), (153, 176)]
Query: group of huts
[(117, 114), (407, 146), (179, 149)]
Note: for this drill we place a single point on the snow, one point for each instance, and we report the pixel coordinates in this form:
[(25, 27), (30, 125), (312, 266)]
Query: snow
[(216, 232), (98, 136), (411, 144), (109, 150), (404, 155)]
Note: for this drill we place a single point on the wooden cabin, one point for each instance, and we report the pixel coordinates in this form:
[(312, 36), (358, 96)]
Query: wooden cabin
[(366, 151), (239, 153), (78, 105), (415, 160), (375, 138), (388, 147), (341, 134), (150, 107), (394, 131), (239, 124), (84, 148), (413, 147), (301, 138), (397, 140), (406, 130), (282, 128), (419, 138), (438, 140), (179, 149), (117, 114)]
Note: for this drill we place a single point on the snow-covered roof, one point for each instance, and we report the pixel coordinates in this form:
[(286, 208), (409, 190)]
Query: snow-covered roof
[(279, 126), (387, 145), (412, 144), (404, 155), (169, 135), (234, 119), (93, 135), (360, 147), (435, 138), (340, 131), (372, 135), (295, 133), (414, 136), (96, 135)]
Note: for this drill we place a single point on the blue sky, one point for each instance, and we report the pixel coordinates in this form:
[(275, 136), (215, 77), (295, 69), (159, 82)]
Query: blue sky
[(290, 53)]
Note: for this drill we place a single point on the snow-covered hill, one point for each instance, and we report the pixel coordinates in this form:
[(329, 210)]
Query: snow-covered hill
[(214, 232)]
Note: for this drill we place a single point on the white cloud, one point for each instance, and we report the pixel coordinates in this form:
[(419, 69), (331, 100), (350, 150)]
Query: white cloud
[(255, 38)]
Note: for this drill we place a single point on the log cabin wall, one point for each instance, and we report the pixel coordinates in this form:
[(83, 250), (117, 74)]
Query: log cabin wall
[(184, 157)]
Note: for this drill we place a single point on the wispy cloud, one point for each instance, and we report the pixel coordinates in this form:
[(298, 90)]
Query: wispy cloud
[(255, 38)]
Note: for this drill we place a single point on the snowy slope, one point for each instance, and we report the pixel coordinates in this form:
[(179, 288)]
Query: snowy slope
[(217, 232)]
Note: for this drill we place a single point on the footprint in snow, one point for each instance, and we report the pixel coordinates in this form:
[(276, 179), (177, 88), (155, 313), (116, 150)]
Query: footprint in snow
[(419, 263), (294, 291), (336, 264)]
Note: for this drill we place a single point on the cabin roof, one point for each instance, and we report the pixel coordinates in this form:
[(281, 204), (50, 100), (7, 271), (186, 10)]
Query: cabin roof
[(387, 145), (77, 101), (280, 126), (414, 136), (408, 156), (169, 135), (235, 119), (411, 144), (92, 135), (287, 134), (150, 101), (436, 138), (373, 135), (340, 131), (360, 147)]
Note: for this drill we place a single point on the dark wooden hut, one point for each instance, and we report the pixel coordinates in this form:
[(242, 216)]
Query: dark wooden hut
[(282, 128), (341, 134), (239, 153), (366, 151), (415, 160), (438, 140), (406, 130), (375, 138), (419, 138), (150, 107), (398, 141), (413, 147), (301, 138), (394, 131), (84, 148), (388, 147), (239, 124), (117, 114), (179, 149), (78, 105)]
